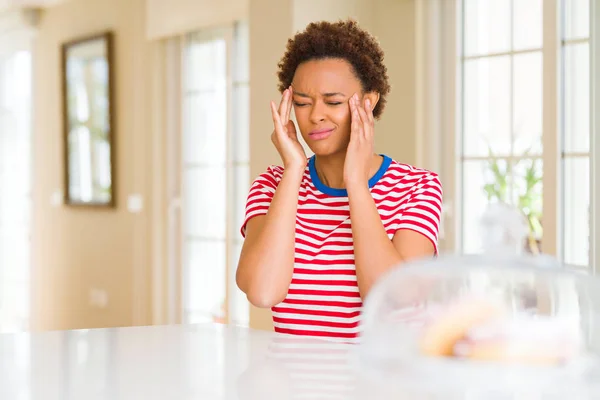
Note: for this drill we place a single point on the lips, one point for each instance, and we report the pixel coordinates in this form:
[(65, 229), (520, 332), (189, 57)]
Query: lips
[(320, 134)]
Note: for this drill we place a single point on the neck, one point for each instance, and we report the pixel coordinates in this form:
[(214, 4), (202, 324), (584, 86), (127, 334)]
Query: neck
[(330, 169)]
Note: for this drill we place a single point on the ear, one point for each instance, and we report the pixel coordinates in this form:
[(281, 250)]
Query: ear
[(373, 98)]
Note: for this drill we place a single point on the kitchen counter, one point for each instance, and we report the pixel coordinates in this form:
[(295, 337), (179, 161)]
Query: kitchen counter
[(214, 362), (207, 362)]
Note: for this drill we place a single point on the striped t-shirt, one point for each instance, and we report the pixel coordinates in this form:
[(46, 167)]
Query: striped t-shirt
[(323, 299)]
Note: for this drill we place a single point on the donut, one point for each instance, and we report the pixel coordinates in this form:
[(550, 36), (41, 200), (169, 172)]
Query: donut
[(441, 335)]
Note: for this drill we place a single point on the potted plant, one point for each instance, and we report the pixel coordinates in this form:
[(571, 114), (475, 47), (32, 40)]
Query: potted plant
[(522, 190)]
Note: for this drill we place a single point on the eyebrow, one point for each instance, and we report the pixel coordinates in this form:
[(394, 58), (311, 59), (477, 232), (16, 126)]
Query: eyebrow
[(331, 94)]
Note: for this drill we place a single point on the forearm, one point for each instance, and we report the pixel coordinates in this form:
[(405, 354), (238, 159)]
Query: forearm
[(267, 259), (374, 252)]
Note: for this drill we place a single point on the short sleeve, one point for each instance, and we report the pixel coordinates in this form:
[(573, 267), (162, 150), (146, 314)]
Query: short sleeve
[(422, 211), (260, 195)]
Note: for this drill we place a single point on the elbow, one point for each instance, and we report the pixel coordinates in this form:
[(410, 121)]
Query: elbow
[(264, 300), (260, 296), (262, 291), (263, 296)]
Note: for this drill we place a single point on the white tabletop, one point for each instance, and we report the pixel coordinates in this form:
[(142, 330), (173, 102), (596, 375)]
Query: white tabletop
[(207, 362)]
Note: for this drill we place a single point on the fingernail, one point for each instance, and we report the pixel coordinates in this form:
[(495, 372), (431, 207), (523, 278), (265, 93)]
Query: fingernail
[(368, 103)]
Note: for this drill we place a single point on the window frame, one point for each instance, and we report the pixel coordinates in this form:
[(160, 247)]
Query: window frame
[(224, 33), (448, 86), (170, 130), (595, 137)]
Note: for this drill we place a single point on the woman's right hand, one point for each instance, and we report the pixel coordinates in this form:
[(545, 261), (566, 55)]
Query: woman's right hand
[(285, 137), (266, 264)]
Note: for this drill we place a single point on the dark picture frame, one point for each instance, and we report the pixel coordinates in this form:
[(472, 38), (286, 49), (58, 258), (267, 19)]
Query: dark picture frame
[(87, 73)]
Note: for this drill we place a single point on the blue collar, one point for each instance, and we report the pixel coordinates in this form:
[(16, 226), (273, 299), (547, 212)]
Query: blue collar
[(342, 192)]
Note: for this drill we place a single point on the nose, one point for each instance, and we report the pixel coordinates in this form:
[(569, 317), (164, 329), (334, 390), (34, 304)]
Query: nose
[(317, 113)]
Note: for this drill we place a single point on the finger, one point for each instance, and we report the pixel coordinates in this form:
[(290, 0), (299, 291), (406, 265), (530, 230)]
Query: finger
[(289, 104), (283, 104), (364, 119), (276, 119), (287, 101), (291, 130), (362, 113), (353, 110), (357, 111), (355, 128), (369, 109)]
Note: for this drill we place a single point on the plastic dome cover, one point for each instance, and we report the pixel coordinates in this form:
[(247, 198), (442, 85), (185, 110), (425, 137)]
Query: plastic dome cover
[(497, 324)]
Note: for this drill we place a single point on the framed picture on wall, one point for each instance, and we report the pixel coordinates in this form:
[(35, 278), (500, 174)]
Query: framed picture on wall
[(88, 121)]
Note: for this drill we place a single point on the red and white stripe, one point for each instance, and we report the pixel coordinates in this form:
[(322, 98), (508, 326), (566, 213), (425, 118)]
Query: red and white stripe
[(323, 298), (316, 369)]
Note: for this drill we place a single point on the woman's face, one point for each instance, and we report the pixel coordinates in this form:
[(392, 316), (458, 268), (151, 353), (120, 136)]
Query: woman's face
[(321, 91)]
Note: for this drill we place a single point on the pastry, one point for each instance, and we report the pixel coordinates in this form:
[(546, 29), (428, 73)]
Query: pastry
[(441, 335)]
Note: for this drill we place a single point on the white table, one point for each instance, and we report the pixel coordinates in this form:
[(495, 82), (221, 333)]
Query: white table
[(207, 362)]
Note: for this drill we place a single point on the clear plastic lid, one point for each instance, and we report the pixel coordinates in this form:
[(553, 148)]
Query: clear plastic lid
[(499, 322)]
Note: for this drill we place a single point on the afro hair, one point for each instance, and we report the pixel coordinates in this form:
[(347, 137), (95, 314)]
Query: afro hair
[(338, 40)]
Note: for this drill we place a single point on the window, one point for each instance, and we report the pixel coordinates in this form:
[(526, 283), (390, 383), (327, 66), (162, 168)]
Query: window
[(15, 196), (524, 122), (215, 172), (502, 113), (575, 49)]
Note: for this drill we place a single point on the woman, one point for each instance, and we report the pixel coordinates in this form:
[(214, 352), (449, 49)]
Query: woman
[(320, 231)]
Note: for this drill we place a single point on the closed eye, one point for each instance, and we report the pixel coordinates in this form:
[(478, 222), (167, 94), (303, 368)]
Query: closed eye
[(304, 104)]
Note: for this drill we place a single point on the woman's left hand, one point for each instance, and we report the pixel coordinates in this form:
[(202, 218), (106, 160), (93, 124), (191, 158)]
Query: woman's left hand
[(361, 147)]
